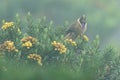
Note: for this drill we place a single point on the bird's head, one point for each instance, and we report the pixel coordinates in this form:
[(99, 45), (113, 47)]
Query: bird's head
[(83, 19)]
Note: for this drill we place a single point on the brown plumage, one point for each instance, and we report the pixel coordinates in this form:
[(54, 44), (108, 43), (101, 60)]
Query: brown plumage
[(77, 28)]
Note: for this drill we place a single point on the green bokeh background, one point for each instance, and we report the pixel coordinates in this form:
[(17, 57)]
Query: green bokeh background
[(102, 15)]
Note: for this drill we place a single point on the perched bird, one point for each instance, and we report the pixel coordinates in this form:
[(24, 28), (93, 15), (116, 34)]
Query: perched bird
[(77, 28)]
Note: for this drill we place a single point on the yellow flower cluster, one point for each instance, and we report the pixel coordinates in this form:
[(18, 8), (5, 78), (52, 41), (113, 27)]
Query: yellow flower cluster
[(7, 25), (73, 43), (28, 41), (9, 46), (59, 47), (85, 38), (28, 44), (35, 57)]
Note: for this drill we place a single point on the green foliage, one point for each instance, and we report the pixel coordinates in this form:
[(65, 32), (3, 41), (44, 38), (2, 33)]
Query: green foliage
[(85, 61)]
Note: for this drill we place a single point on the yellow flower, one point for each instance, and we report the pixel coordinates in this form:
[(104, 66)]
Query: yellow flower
[(35, 57), (9, 46), (63, 50), (28, 41), (85, 38), (28, 38), (59, 47), (54, 43), (73, 43), (27, 44), (7, 25)]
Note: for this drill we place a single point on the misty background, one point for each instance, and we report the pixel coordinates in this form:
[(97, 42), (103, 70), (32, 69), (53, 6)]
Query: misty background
[(103, 16)]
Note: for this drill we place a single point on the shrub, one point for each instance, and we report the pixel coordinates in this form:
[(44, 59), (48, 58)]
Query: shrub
[(37, 49)]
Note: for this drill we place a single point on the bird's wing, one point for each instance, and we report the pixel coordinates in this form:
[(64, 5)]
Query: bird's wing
[(70, 32), (79, 27)]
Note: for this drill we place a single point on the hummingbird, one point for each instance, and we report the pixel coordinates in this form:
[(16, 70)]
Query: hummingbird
[(77, 28)]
